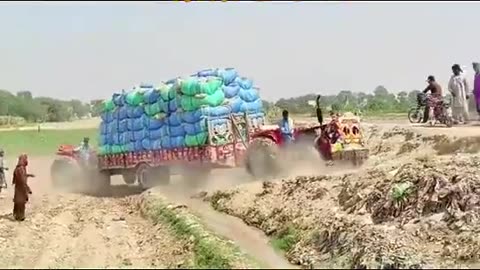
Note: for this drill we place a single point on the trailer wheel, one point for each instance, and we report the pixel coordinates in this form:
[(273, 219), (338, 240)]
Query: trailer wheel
[(261, 158), (196, 177), (129, 177), (144, 176), (162, 176)]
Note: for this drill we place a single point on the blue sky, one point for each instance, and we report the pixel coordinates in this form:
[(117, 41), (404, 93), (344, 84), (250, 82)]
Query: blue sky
[(89, 50)]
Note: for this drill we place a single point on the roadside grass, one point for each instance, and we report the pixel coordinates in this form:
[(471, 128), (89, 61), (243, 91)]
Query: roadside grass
[(285, 239), (45, 142), (210, 251)]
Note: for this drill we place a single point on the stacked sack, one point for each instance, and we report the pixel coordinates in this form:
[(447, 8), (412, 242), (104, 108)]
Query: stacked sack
[(174, 114)]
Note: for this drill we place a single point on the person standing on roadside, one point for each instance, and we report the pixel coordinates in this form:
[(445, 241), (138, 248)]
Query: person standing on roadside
[(476, 85), (458, 87), (22, 190)]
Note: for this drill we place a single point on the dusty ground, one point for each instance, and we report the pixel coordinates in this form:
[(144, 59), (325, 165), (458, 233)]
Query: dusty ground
[(72, 230), (415, 203)]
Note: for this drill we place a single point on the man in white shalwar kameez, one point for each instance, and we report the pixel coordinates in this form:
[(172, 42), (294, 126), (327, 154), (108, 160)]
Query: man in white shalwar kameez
[(458, 87)]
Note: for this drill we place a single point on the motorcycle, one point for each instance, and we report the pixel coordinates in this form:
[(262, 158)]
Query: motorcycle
[(417, 113), (442, 111)]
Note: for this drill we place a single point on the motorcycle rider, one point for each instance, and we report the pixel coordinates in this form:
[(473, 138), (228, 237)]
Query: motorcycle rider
[(84, 150), (435, 99), (286, 127)]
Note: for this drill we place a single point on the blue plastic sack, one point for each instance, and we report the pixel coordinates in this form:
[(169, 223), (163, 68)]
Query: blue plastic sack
[(156, 145), (122, 113), (248, 95), (177, 142), (140, 135), (228, 75), (123, 138), (138, 147), (191, 117), (215, 111), (146, 144), (252, 107), (135, 124), (231, 90), (118, 99), (176, 131), (166, 143), (174, 119), (114, 139), (112, 127), (207, 73), (244, 83), (151, 96), (194, 129), (159, 133), (154, 124), (106, 117), (172, 105), (134, 112), (235, 104), (123, 126)]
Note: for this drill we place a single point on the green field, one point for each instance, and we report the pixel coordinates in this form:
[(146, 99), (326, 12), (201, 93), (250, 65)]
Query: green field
[(45, 142)]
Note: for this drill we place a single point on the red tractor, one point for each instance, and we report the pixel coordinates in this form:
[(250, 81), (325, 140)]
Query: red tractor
[(70, 171), (339, 140)]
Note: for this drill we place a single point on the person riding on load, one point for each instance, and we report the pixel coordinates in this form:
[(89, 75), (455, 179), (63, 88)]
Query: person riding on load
[(84, 149), (286, 127)]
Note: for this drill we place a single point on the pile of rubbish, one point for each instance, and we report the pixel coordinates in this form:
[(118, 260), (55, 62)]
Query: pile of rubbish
[(174, 114)]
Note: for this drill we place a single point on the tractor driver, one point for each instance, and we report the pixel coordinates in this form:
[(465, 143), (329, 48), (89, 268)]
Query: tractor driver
[(286, 127), (84, 149)]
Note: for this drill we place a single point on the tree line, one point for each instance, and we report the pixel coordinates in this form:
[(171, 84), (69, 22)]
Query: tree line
[(46, 109), (380, 101), (41, 109)]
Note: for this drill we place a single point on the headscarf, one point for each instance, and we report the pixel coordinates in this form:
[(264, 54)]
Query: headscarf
[(22, 160)]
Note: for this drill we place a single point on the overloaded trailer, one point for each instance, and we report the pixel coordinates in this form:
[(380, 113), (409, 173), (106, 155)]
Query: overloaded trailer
[(197, 123)]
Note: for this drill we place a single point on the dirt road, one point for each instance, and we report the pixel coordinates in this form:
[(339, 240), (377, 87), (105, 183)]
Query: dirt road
[(72, 230)]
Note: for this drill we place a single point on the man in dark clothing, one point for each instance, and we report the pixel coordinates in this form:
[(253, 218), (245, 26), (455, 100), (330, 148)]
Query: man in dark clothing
[(435, 97), (434, 88)]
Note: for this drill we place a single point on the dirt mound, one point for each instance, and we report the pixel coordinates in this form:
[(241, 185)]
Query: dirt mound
[(421, 214)]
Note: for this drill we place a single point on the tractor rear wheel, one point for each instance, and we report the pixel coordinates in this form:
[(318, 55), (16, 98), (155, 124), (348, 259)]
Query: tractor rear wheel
[(63, 173), (261, 158)]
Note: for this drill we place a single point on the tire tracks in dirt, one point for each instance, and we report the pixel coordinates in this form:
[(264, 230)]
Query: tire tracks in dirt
[(79, 231)]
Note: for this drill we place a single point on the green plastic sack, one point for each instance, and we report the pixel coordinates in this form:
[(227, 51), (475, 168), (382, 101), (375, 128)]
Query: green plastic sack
[(196, 140), (213, 100), (116, 149), (210, 86), (167, 92), (108, 105), (104, 149), (153, 109), (188, 103), (190, 86), (134, 98)]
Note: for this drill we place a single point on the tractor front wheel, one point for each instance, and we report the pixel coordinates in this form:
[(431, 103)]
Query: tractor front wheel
[(261, 158)]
